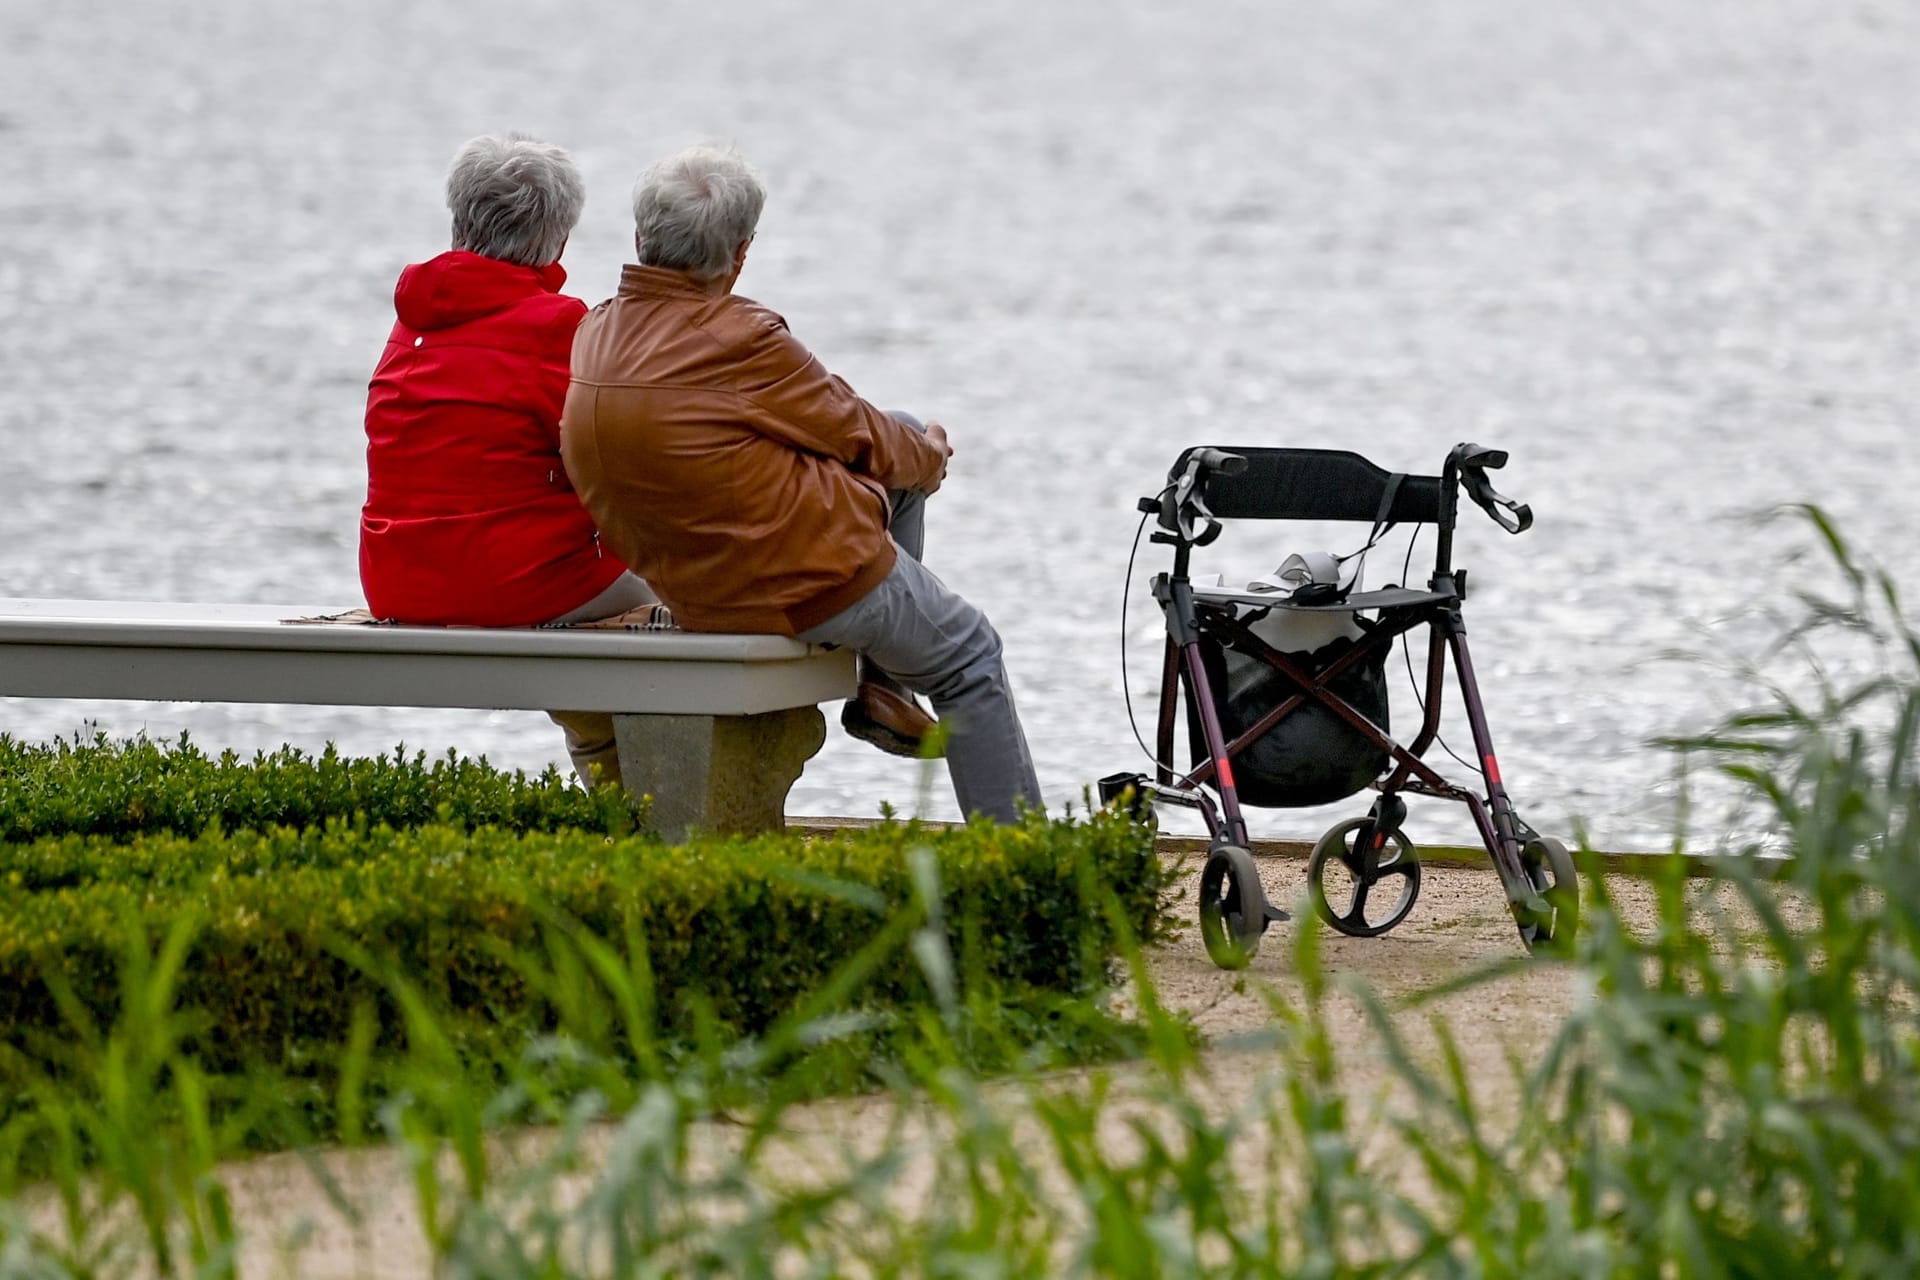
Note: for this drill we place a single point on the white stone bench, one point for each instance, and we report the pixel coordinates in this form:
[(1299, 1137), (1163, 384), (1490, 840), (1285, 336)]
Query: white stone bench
[(715, 728)]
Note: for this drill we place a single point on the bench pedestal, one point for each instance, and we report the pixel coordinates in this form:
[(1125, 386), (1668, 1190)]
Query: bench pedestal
[(724, 774)]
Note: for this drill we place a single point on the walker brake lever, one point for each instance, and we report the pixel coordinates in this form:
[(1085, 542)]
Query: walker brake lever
[(1197, 524), (1514, 517), (1187, 504)]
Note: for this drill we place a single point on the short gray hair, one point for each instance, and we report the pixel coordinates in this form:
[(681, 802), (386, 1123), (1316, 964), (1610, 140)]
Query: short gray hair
[(514, 198), (691, 211)]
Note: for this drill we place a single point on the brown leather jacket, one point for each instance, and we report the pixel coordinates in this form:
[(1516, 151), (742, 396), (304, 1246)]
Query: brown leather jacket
[(724, 465)]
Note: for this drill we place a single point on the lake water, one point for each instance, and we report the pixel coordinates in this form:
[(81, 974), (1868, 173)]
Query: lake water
[(1667, 255)]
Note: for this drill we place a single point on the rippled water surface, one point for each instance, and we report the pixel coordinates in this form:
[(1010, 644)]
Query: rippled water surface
[(1665, 254)]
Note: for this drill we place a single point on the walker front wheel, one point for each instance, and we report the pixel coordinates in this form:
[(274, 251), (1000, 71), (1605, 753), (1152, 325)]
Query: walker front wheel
[(1363, 892), (1233, 907), (1549, 923)]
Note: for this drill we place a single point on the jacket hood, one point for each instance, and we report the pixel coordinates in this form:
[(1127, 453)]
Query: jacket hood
[(459, 286)]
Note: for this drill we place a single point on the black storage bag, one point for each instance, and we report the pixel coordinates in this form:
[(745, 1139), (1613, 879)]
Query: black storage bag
[(1311, 756)]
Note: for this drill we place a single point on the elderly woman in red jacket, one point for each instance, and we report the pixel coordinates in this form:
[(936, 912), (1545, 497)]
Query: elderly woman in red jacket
[(469, 518)]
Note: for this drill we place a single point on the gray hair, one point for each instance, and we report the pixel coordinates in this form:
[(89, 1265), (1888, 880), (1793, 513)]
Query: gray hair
[(514, 199), (690, 212)]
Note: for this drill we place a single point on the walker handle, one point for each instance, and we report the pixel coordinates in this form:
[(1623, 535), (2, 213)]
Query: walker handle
[(1227, 464), (1474, 462)]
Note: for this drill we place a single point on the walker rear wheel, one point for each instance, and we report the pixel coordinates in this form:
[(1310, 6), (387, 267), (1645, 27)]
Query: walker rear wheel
[(1233, 907), (1556, 884), (1350, 886)]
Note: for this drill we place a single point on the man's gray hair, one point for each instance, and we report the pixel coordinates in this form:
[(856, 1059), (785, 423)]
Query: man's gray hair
[(514, 199), (691, 211)]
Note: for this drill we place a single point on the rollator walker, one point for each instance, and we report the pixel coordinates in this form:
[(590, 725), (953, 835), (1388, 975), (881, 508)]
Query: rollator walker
[(1311, 727)]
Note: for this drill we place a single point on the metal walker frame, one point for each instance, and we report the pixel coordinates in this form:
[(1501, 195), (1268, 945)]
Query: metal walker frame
[(1208, 485)]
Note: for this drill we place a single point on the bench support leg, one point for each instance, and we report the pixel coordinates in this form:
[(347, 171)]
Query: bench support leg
[(725, 774)]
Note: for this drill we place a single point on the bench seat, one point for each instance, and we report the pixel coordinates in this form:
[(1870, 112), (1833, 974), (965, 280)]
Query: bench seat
[(714, 727)]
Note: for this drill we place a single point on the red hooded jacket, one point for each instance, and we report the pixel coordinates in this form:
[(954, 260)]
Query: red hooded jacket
[(469, 517)]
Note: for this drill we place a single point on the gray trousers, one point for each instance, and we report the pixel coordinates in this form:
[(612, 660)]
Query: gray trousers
[(933, 642)]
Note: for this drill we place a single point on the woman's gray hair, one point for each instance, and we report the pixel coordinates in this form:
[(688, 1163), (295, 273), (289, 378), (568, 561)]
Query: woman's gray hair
[(514, 199), (691, 211)]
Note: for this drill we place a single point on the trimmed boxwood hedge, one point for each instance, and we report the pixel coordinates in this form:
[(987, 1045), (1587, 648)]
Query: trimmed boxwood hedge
[(137, 787), (753, 925)]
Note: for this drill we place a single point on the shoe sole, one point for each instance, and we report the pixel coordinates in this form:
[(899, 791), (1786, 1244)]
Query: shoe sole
[(859, 724)]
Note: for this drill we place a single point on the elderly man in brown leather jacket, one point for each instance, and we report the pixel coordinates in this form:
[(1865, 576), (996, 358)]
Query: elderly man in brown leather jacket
[(756, 492)]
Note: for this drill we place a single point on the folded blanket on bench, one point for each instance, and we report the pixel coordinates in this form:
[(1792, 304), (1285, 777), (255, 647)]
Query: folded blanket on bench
[(648, 617)]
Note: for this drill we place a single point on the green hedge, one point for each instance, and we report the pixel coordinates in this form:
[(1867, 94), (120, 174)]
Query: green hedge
[(140, 787), (753, 925)]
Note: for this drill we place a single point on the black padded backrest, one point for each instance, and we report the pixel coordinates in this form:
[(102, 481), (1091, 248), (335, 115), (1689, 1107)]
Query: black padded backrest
[(1315, 484)]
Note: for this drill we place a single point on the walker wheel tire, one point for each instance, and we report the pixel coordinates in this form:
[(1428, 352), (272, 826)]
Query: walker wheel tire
[(1363, 893), (1233, 907), (1555, 883)]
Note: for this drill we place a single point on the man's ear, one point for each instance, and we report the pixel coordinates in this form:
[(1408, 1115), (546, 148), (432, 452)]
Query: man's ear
[(740, 255), (636, 246)]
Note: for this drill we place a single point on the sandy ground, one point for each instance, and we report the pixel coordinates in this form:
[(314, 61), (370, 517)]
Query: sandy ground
[(1460, 924)]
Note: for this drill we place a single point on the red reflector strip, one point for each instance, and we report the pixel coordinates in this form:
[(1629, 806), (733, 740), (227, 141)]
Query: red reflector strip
[(1226, 772), (1493, 768)]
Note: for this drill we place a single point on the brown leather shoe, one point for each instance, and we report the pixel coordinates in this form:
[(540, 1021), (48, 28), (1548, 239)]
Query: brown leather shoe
[(893, 722)]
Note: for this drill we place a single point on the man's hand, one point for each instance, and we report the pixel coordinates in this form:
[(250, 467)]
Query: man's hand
[(937, 437)]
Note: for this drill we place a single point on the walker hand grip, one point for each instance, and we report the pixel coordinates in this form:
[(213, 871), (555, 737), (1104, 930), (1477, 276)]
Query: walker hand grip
[(1477, 457), (1227, 464)]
